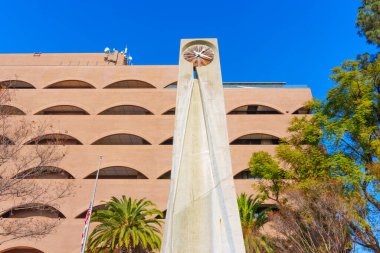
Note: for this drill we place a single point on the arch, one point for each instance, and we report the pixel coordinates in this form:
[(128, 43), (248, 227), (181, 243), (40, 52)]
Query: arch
[(302, 110), (44, 172), (10, 110), (16, 84), (62, 110), (32, 210), (254, 109), (22, 250), (126, 110), (166, 175), (121, 139), (117, 172), (83, 214), (168, 141), (173, 85), (244, 174), (170, 112), (256, 139), (54, 139), (70, 84), (130, 84), (4, 140)]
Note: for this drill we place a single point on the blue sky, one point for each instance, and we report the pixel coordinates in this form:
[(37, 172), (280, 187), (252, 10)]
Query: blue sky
[(297, 41)]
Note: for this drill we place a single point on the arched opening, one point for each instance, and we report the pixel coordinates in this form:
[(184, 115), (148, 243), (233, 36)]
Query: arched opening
[(170, 112), (83, 214), (256, 139), (70, 84), (171, 86), (130, 84), (245, 174), (54, 139), (32, 210), (126, 110), (167, 142), (62, 110), (44, 172), (121, 139), (117, 172), (254, 109), (15, 84), (5, 140), (166, 175), (22, 250), (302, 110), (10, 110)]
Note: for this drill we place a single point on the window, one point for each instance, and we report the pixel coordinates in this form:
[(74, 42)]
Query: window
[(10, 110), (130, 84), (83, 214), (170, 112), (166, 175), (44, 172), (302, 110), (33, 210), (117, 172), (63, 110), (254, 109), (245, 174), (15, 84), (256, 139), (167, 142), (171, 86), (54, 139), (70, 84), (126, 110), (121, 139)]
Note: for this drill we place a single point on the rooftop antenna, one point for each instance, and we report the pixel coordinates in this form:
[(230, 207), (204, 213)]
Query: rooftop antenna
[(129, 58), (106, 53)]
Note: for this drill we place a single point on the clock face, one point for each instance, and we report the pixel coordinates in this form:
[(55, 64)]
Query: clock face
[(199, 55)]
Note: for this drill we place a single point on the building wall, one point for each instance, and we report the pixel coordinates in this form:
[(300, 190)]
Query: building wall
[(151, 160)]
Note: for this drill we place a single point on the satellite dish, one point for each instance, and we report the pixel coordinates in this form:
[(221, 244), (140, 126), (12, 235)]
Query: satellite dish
[(130, 58), (107, 50)]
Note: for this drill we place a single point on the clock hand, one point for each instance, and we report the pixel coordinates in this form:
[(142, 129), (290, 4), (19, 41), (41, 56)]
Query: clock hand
[(203, 50), (205, 56), (196, 53)]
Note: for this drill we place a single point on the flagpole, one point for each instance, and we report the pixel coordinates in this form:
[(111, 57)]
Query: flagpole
[(87, 226)]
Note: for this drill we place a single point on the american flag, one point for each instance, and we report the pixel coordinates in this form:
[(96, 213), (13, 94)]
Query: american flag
[(88, 214), (86, 223)]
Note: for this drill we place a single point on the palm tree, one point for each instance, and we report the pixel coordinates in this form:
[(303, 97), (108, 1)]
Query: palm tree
[(127, 225), (252, 218)]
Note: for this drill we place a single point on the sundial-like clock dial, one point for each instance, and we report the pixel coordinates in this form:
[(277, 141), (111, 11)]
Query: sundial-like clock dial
[(199, 55)]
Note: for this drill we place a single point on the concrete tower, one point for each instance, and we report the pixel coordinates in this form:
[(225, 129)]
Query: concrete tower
[(202, 214)]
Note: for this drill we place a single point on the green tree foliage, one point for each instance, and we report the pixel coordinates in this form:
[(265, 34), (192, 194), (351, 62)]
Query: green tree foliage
[(263, 166), (347, 125), (127, 225), (338, 147), (351, 124), (252, 218), (368, 21)]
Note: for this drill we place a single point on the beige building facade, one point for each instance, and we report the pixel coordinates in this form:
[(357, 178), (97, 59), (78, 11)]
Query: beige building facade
[(126, 114)]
